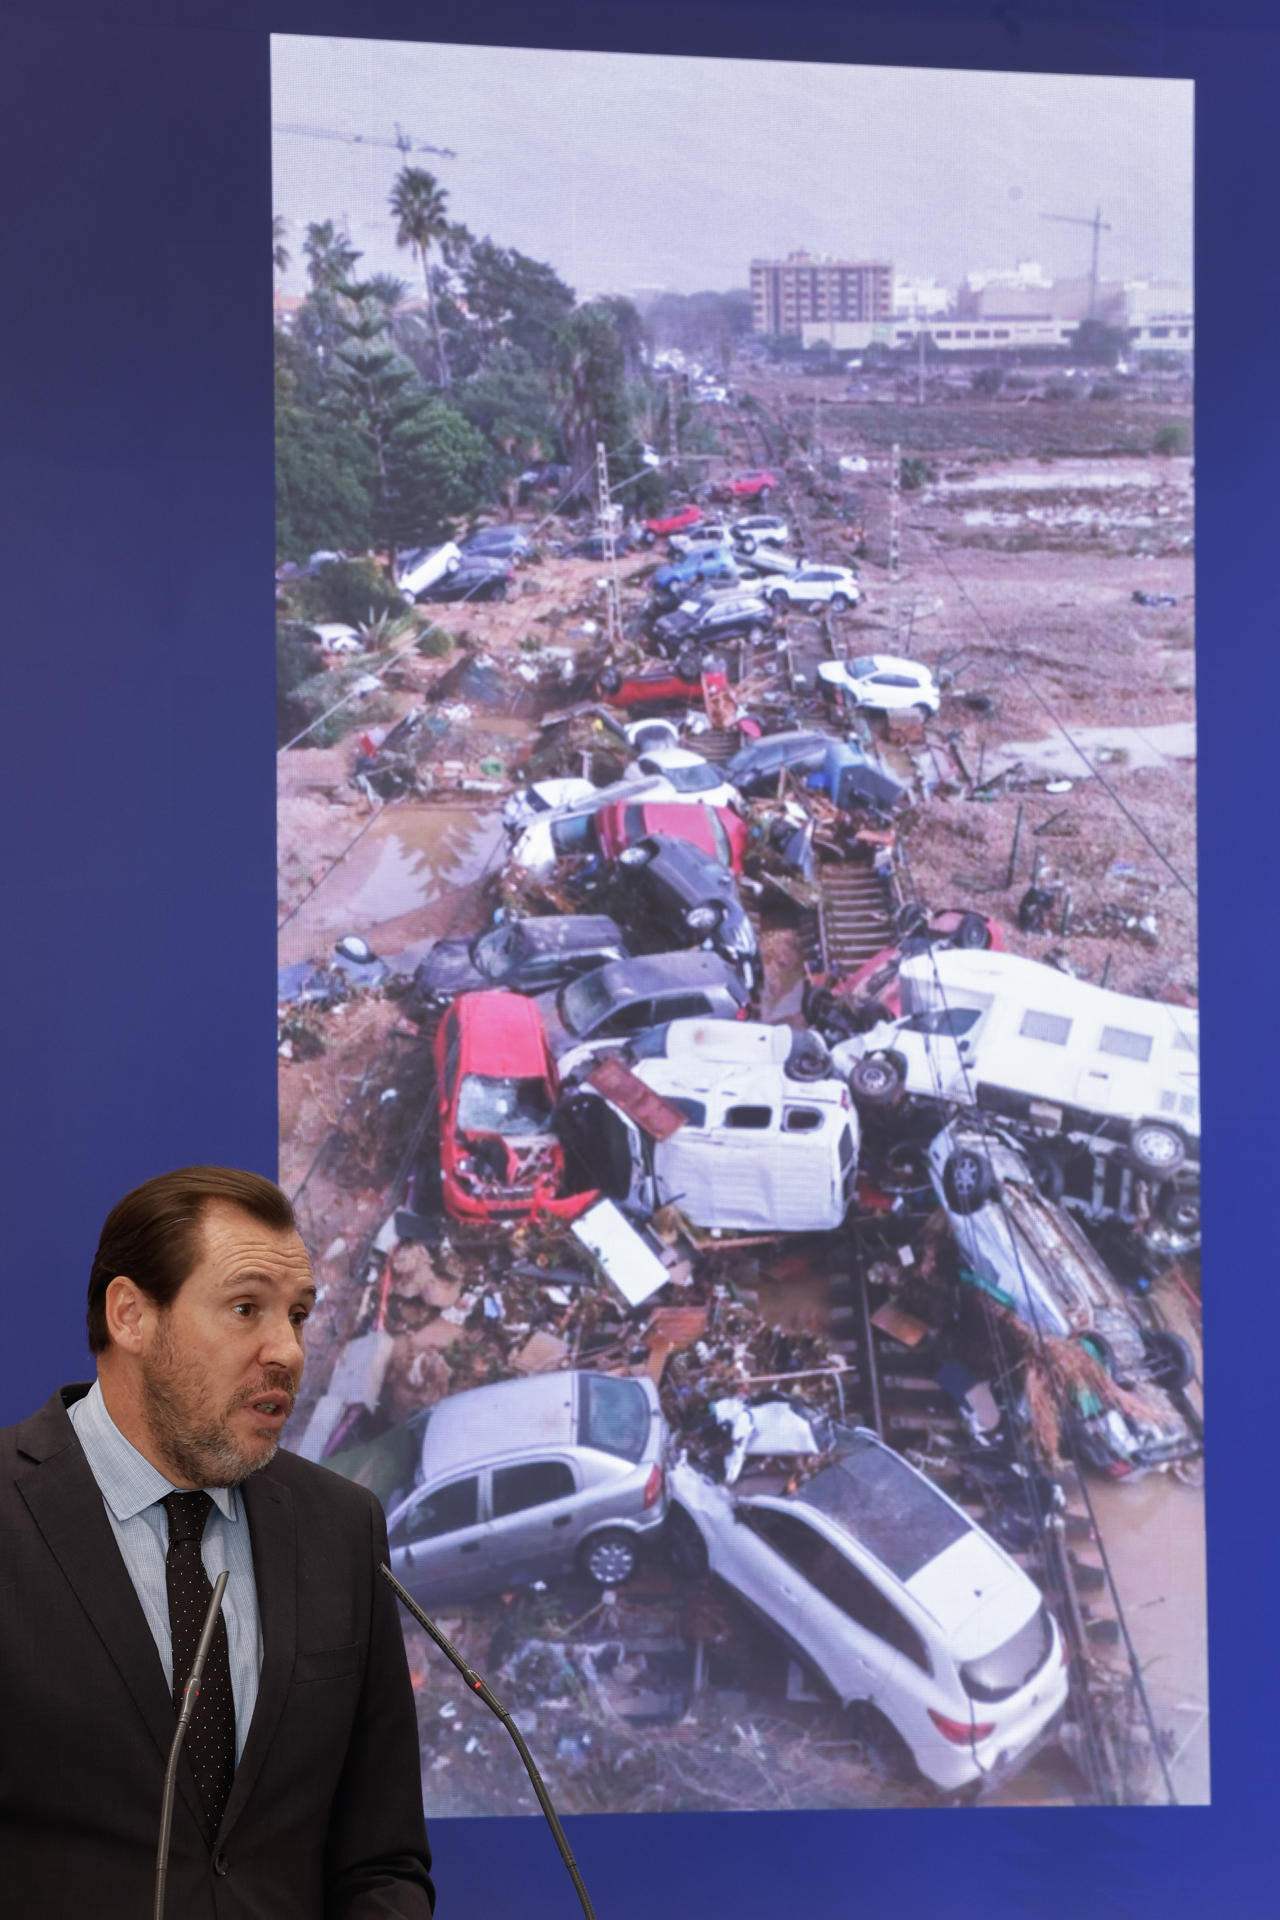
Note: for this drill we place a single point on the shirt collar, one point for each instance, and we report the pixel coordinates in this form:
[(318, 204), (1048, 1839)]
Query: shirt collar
[(127, 1478)]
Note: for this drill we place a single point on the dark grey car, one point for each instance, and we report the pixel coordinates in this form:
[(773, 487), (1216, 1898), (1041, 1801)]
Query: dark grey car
[(524, 956), (755, 769), (631, 995)]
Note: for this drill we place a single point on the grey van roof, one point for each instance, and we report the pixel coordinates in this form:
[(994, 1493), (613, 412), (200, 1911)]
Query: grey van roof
[(649, 973)]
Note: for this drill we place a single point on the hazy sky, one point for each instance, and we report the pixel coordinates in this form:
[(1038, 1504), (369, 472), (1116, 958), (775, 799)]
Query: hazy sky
[(637, 170)]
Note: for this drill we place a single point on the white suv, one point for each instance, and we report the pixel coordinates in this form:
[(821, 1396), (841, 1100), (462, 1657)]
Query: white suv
[(422, 567), (881, 682), (921, 1625), (813, 586)]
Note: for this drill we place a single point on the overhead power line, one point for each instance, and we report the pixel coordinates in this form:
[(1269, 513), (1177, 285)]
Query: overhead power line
[(402, 142)]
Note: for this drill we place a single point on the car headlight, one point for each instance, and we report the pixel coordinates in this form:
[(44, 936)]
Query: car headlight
[(701, 919)]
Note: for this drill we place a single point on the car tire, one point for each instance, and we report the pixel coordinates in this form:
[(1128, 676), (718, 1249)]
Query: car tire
[(1048, 1172), (779, 601), (686, 1548), (880, 1740), (609, 1558), (922, 711), (1179, 1209), (968, 1180), (839, 603), (689, 668), (610, 681), (451, 566), (808, 1061), (755, 633), (648, 539), (748, 544), (1170, 1360), (500, 591), (1155, 1149), (877, 1080), (973, 933)]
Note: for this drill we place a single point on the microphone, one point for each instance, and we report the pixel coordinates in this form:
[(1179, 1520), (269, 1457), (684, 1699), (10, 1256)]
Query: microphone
[(478, 1686), (190, 1694)]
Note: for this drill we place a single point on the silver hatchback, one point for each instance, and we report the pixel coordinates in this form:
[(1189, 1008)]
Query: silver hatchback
[(529, 1479)]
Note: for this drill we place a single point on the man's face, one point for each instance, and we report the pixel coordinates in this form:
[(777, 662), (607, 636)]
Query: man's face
[(230, 1342)]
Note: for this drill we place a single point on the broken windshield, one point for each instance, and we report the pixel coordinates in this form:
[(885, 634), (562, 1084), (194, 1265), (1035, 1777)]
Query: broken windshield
[(513, 1107)]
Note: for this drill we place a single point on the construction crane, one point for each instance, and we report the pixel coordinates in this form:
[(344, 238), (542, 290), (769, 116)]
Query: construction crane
[(1099, 226), (403, 143)]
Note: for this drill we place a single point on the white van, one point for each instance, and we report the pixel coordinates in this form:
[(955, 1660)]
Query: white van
[(763, 1147), (1018, 1038)]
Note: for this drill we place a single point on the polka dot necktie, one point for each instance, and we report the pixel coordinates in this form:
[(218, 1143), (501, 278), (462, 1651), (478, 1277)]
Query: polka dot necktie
[(211, 1736)]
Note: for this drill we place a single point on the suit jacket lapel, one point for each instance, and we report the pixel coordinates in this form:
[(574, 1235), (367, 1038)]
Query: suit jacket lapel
[(269, 1508), (66, 1504)]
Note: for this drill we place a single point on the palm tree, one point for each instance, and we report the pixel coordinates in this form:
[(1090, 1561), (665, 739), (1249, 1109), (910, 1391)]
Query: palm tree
[(330, 255), (418, 202), (279, 251)]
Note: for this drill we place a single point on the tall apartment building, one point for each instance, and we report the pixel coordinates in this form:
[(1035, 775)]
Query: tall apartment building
[(785, 294)]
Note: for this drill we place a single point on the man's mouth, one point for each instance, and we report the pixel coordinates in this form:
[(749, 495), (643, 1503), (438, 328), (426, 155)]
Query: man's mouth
[(271, 1408)]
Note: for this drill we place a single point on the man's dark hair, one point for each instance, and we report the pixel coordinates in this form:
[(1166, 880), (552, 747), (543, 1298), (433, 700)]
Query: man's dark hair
[(153, 1234)]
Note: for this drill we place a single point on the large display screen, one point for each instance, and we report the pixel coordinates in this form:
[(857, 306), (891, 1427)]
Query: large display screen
[(738, 1032)]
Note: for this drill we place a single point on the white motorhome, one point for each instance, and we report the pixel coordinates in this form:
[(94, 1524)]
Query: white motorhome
[(1021, 1039), (762, 1148)]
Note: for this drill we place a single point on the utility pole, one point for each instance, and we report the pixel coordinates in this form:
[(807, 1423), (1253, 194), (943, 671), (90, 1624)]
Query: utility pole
[(673, 422), (1099, 226), (895, 500), (919, 364), (607, 515)]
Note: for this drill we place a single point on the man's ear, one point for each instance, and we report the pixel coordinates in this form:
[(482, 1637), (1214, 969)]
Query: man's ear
[(127, 1310)]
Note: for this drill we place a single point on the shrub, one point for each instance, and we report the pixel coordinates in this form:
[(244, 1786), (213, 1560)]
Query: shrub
[(310, 698), (1173, 437), (352, 591), (916, 473), (434, 643)]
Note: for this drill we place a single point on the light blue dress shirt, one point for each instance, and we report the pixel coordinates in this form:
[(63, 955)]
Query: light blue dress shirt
[(132, 1490)]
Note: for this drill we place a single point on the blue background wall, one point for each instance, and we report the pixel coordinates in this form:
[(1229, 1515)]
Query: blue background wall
[(139, 868)]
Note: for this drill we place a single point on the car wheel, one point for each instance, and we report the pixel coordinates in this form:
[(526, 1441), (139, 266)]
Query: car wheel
[(880, 1740), (972, 932), (922, 711), (755, 633), (1179, 1208), (500, 591), (689, 668), (967, 1180), (451, 566), (779, 601), (839, 603), (609, 1558), (610, 681), (635, 857), (685, 1545), (648, 539), (878, 1080), (1048, 1172), (1156, 1149), (1170, 1360), (747, 545), (807, 1058)]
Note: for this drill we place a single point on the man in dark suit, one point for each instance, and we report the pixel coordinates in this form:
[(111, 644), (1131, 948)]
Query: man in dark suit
[(299, 1788)]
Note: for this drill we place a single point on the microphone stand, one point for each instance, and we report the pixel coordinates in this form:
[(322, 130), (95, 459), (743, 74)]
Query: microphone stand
[(478, 1686), (190, 1693)]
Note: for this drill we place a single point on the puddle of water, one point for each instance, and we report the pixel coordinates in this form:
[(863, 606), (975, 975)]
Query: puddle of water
[(1141, 746), (417, 872)]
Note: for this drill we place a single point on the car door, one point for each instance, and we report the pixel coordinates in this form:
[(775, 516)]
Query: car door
[(775, 1556), (536, 1518), (939, 1050), (437, 1539)]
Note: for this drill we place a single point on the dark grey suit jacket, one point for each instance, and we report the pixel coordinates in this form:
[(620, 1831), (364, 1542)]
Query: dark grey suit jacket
[(325, 1816)]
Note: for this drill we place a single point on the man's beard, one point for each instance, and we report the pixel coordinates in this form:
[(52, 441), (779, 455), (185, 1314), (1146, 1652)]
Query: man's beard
[(192, 1439)]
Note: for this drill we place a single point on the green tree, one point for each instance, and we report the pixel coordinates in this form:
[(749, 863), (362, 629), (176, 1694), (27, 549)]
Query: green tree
[(516, 303), (589, 382), (429, 464), (1098, 344), (330, 256), (418, 202), (323, 474), (508, 405), (279, 248)]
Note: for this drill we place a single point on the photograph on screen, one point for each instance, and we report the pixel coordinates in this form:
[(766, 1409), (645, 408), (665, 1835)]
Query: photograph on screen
[(738, 1032)]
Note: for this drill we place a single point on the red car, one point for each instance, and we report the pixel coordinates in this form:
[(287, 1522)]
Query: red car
[(675, 522), (714, 830), (748, 486), (499, 1158), (870, 992), (653, 687)]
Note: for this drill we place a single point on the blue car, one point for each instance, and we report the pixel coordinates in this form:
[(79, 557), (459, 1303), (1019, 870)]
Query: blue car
[(713, 563)]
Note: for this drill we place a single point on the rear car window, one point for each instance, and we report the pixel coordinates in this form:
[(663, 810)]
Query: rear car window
[(530, 1484), (613, 1415), (1000, 1673), (894, 1512)]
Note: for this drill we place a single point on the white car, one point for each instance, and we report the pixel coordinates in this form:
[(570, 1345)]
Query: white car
[(928, 1633), (813, 586), (854, 463), (552, 833), (707, 533), (881, 682), (758, 530), (528, 804), (689, 776), (421, 567)]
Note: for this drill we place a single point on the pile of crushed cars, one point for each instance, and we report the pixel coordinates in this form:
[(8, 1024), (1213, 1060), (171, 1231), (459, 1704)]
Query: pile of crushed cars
[(575, 1359)]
